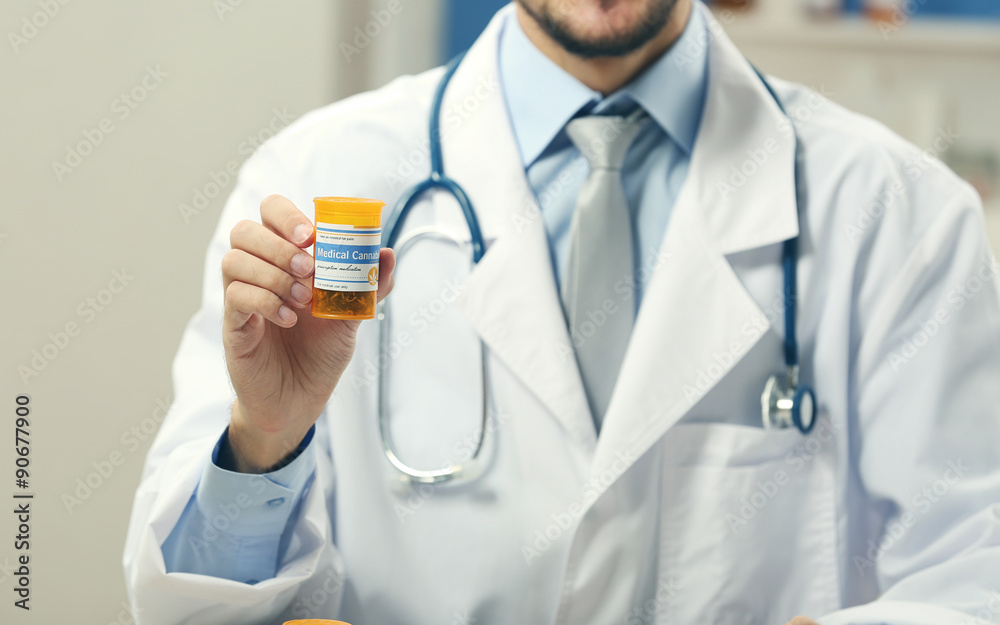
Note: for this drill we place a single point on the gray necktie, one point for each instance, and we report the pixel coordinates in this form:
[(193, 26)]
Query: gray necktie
[(600, 255)]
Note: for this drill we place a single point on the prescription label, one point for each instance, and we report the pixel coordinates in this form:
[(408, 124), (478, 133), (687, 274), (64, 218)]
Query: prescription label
[(347, 257)]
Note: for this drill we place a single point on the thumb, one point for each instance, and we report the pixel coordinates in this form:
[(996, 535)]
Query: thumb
[(386, 267)]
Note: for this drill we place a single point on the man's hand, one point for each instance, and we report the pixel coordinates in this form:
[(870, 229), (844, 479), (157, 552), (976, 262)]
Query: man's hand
[(283, 362), (801, 620)]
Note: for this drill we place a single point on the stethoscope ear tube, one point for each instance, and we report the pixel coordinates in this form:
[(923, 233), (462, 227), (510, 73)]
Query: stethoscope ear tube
[(437, 179), (469, 469), (393, 239)]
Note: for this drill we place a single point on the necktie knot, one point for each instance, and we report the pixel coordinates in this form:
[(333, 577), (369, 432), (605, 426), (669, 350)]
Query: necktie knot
[(604, 140)]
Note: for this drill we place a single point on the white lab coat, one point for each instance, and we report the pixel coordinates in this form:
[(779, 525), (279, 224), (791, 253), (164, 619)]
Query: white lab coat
[(684, 510)]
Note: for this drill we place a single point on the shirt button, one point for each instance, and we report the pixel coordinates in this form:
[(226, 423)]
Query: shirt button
[(274, 503)]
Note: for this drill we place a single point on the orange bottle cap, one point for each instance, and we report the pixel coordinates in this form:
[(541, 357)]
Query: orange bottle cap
[(327, 207)]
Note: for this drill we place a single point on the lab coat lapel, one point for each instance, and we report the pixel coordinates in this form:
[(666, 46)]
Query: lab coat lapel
[(689, 333), (510, 299), (739, 195)]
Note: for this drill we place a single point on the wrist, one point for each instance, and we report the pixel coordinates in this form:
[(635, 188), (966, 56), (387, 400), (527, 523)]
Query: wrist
[(250, 449)]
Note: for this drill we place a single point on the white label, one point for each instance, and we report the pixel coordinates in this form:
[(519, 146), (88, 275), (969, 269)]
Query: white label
[(347, 257)]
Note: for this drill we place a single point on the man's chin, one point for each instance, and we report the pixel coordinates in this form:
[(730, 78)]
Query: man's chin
[(592, 29)]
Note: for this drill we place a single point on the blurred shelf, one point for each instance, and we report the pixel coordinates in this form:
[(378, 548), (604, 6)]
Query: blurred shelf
[(855, 33)]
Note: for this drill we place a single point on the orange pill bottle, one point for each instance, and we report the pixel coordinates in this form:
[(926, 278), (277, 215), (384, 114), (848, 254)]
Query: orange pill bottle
[(348, 240)]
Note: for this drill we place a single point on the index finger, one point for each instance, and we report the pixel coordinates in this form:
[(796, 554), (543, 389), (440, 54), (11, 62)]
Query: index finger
[(282, 217)]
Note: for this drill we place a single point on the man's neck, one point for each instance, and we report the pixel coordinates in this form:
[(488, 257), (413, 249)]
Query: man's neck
[(607, 74)]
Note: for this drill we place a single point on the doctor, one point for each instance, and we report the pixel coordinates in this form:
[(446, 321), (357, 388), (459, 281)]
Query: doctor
[(636, 487)]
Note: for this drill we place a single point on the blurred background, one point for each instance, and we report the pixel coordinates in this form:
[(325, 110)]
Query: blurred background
[(123, 122)]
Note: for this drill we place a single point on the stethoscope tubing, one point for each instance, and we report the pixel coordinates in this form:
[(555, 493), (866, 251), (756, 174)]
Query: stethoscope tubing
[(439, 180)]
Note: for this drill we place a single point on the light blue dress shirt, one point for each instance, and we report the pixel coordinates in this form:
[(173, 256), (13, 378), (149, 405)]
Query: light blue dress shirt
[(237, 526), (542, 98)]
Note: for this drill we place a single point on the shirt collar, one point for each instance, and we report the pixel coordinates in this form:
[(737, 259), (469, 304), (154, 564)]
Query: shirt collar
[(542, 97)]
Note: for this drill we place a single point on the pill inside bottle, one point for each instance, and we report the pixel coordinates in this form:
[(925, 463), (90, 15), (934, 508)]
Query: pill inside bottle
[(348, 241)]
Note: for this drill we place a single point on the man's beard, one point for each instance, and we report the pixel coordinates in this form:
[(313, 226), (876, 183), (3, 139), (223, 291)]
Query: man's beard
[(619, 44)]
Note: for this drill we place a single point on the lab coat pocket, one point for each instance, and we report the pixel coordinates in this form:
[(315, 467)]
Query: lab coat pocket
[(747, 525)]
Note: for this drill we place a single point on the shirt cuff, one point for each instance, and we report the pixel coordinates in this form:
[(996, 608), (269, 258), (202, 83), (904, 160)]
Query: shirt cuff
[(247, 504)]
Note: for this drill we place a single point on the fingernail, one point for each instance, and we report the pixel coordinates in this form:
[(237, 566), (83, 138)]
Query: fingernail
[(301, 233), (285, 314), (302, 265), (301, 293)]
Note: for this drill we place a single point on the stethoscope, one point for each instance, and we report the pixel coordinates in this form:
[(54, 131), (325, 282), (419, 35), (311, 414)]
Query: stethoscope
[(784, 403)]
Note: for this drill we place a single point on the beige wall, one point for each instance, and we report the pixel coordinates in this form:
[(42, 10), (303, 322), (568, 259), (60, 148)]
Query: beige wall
[(220, 80)]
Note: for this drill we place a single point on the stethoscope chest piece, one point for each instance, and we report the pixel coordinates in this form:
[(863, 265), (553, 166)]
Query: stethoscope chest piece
[(785, 404)]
